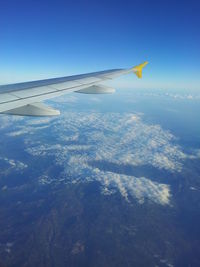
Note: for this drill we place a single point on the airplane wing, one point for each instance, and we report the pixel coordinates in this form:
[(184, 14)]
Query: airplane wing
[(24, 98)]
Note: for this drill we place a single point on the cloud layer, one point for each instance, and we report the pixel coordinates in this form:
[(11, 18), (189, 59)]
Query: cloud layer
[(86, 146)]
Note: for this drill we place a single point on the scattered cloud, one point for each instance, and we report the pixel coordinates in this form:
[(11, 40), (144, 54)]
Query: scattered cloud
[(13, 164), (111, 138), (194, 96), (7, 121)]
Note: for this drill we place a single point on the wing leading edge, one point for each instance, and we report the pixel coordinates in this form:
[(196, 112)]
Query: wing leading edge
[(23, 98)]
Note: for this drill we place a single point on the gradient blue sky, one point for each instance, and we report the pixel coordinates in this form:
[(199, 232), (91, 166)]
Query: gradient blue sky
[(41, 39)]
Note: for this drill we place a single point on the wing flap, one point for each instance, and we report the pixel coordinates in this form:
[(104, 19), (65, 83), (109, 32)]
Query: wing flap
[(65, 85), (7, 98), (89, 80), (19, 102), (34, 92)]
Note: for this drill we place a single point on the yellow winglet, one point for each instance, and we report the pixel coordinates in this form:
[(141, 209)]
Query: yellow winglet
[(138, 69)]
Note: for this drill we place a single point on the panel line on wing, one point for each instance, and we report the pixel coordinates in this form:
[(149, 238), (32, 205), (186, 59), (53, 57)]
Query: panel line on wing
[(49, 93)]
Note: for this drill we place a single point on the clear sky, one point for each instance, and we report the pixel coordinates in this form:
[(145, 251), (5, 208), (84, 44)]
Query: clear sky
[(41, 39)]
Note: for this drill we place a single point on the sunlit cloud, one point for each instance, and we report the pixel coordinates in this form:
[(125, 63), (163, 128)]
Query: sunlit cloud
[(86, 146)]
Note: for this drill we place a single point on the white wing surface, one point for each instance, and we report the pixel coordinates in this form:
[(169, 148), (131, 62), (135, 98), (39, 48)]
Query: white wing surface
[(23, 98)]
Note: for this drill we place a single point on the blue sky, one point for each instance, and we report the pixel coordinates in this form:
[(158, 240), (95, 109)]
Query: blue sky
[(41, 39)]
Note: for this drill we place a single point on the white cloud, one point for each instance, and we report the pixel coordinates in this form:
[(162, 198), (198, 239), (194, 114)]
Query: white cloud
[(14, 164), (7, 121), (28, 129), (114, 139), (194, 96), (80, 139), (141, 188)]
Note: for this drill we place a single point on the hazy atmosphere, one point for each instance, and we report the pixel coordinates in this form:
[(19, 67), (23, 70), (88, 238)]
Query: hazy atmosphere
[(114, 180)]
